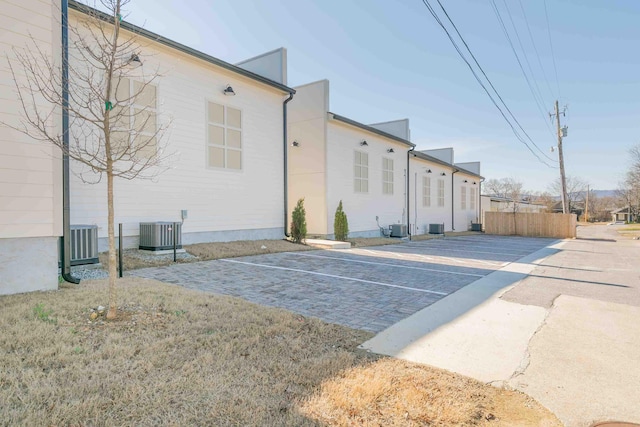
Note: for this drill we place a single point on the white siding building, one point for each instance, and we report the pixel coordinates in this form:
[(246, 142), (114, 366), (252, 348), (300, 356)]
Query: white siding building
[(442, 192), (226, 164), (333, 158), (30, 171), (226, 172)]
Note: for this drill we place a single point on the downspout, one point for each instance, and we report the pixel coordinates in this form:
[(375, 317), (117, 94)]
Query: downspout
[(286, 163), (407, 193), (65, 250), (480, 217), (453, 200)]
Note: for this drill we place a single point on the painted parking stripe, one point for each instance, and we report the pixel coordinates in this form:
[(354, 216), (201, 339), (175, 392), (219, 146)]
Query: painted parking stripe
[(335, 276), (413, 256), (386, 264), (469, 250)]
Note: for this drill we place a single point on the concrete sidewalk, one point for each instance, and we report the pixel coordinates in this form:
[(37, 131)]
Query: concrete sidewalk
[(549, 324)]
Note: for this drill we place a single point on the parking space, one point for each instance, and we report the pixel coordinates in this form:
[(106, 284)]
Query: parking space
[(366, 288)]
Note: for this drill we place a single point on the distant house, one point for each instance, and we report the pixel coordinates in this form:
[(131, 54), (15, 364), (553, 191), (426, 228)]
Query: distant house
[(503, 204), (576, 208), (622, 214)]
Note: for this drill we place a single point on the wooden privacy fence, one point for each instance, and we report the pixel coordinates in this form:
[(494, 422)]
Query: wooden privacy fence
[(530, 224)]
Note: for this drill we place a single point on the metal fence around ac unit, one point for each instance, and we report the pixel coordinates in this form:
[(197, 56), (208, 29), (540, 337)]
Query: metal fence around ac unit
[(158, 236)]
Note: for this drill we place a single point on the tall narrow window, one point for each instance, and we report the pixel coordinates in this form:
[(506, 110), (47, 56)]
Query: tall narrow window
[(135, 117), (224, 137), (472, 198), (440, 192), (463, 198), (387, 176), (426, 191), (361, 172)]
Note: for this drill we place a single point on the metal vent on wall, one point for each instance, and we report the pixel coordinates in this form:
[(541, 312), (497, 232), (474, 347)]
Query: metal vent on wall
[(158, 236), (84, 244)]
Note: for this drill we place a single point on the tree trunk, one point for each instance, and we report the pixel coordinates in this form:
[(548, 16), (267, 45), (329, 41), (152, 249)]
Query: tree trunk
[(113, 294)]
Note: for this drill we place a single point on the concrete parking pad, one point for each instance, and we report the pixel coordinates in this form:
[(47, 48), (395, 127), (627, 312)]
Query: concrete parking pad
[(366, 288)]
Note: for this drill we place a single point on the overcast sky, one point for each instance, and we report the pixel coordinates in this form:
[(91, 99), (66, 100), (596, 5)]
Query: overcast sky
[(389, 59)]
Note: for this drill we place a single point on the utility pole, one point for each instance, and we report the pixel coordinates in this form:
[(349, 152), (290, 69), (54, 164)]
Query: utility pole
[(565, 198), (586, 207)]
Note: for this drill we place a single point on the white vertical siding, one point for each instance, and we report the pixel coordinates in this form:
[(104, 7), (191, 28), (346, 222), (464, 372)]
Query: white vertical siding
[(464, 217), (29, 185)]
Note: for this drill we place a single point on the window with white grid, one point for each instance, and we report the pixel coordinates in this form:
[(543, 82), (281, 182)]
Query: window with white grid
[(472, 198), (135, 117), (426, 191), (361, 172), (224, 137), (463, 198), (387, 176), (440, 192)]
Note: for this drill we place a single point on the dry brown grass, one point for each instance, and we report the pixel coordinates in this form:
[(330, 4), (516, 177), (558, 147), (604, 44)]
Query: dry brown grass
[(391, 392), (181, 357)]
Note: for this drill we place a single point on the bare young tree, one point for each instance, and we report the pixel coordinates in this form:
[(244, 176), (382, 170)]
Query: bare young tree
[(506, 188), (576, 190), (111, 102)]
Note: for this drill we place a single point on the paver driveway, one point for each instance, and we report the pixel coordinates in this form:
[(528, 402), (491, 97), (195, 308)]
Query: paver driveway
[(366, 288)]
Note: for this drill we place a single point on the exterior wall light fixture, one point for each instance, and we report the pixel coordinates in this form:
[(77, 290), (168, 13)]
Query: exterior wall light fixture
[(466, 181), (228, 91), (295, 144), (442, 174), (390, 150), (363, 143), (428, 170)]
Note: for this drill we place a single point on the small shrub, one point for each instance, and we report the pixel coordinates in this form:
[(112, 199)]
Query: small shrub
[(299, 223), (340, 224), (44, 314)]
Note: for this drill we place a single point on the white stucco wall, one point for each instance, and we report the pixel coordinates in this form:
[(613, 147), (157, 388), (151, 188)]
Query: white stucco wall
[(222, 204), (30, 171), (307, 125), (422, 215), (464, 217), (343, 141)]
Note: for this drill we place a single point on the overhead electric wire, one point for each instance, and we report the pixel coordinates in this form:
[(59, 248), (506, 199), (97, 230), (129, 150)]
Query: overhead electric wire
[(535, 48), (464, 58), (473, 71), (537, 96), (553, 56)]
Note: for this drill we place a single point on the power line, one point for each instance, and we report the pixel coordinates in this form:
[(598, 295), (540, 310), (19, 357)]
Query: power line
[(491, 84), (553, 56), (477, 77), (537, 97), (535, 48)]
